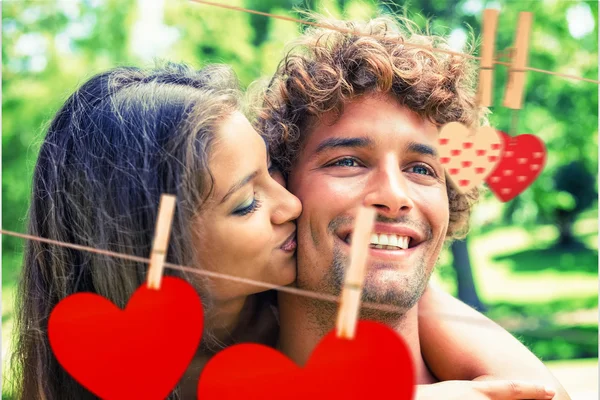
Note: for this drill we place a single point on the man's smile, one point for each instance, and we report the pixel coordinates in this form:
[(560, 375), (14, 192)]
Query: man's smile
[(388, 242), (388, 236)]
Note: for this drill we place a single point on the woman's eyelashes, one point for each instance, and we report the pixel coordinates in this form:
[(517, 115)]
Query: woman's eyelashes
[(246, 208)]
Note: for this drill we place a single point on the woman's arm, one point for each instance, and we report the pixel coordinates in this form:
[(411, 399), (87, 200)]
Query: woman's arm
[(473, 347)]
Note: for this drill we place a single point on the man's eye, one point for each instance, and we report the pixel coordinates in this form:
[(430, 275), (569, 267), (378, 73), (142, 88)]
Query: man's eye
[(345, 162), (422, 170)]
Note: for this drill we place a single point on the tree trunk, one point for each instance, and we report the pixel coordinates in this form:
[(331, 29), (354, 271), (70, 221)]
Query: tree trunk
[(565, 228), (464, 275)]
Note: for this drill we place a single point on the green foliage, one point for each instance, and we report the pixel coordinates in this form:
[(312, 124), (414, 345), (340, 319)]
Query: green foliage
[(560, 111)]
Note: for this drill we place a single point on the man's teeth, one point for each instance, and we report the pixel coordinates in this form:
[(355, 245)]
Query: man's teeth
[(386, 241), (390, 242)]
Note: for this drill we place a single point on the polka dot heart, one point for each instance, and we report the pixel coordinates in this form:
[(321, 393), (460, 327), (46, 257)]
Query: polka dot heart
[(522, 162), (469, 157)]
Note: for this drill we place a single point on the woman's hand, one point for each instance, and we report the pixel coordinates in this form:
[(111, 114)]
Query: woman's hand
[(484, 390)]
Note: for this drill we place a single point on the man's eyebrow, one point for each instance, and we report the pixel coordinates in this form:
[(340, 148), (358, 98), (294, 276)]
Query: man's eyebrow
[(238, 185), (333, 143), (414, 147)]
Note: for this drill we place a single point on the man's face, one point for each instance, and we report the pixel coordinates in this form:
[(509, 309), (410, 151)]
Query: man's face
[(379, 154)]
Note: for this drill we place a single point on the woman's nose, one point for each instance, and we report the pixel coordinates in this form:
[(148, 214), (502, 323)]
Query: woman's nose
[(288, 206)]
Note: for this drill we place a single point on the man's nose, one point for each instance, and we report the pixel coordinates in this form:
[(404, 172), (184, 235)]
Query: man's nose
[(388, 190)]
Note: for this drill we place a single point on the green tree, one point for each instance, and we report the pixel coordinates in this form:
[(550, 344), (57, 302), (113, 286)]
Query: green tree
[(576, 191)]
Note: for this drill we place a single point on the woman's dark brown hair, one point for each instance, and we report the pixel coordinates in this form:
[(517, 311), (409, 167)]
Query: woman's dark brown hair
[(120, 141)]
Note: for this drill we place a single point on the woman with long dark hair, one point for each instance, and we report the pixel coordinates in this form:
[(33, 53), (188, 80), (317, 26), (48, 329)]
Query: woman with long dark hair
[(120, 141)]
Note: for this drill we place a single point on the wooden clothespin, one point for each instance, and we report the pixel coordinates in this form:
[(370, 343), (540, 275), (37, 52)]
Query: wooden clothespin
[(513, 97), (355, 274), (488, 47), (162, 232)]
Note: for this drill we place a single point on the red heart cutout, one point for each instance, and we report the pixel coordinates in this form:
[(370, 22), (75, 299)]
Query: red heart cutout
[(453, 171), (479, 170), (513, 175), (466, 163), (137, 353), (443, 141), (455, 152), (467, 145), (480, 152), (444, 160), (376, 364)]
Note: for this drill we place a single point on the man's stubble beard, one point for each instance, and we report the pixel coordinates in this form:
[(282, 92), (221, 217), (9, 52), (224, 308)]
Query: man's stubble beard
[(402, 295)]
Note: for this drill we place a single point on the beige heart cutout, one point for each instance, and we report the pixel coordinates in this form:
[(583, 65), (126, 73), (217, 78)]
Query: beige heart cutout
[(469, 157)]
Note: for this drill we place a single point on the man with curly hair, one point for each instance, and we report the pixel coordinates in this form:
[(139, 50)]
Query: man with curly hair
[(351, 117)]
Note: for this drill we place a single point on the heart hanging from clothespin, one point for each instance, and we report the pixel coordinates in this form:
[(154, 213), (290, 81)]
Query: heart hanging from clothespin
[(524, 156), (522, 162), (140, 352), (367, 360), (469, 154)]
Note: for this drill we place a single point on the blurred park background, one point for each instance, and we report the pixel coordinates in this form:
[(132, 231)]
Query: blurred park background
[(530, 264)]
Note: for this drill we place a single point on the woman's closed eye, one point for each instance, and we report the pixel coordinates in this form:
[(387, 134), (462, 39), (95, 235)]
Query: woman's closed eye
[(248, 207)]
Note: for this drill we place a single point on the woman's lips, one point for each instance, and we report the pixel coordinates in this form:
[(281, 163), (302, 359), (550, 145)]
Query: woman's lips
[(290, 243)]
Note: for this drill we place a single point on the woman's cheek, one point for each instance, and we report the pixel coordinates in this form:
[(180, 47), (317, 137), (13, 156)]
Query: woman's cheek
[(254, 236)]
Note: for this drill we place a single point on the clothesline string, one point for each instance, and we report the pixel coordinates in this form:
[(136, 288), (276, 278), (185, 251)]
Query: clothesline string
[(300, 292), (198, 271)]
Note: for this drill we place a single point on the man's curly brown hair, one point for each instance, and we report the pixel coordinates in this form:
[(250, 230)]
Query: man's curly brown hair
[(326, 68)]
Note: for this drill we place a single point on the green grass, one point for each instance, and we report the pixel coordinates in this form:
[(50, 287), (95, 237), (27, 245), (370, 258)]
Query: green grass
[(514, 264), (547, 297)]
